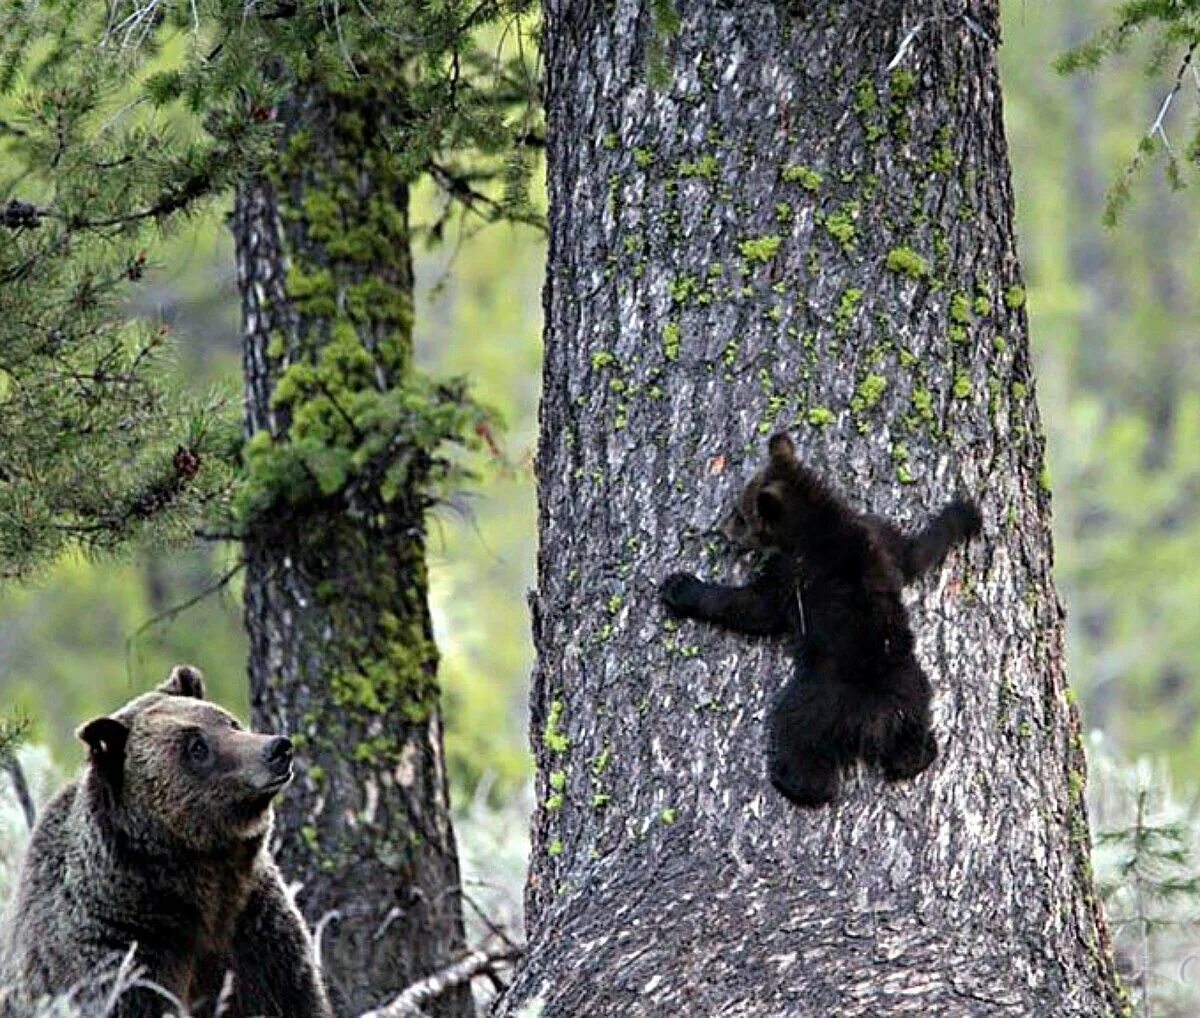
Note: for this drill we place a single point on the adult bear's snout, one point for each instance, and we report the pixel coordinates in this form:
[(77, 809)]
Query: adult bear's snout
[(277, 755)]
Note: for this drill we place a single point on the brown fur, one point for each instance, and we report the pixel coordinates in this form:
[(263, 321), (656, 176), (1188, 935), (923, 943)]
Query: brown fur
[(162, 843)]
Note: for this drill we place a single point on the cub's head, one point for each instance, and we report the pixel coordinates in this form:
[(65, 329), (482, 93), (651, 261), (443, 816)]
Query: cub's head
[(758, 513), (171, 767)]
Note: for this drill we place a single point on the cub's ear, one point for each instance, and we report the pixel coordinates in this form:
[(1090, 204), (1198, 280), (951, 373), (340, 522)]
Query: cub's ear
[(781, 448), (106, 738), (769, 503), (184, 681)]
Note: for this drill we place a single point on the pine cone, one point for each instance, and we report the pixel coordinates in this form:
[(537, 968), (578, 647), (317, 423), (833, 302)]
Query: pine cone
[(186, 463)]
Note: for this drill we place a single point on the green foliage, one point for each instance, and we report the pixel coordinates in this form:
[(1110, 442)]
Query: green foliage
[(347, 432), (12, 732), (869, 392), (960, 308), (707, 166), (820, 417), (1119, 472), (759, 250), (671, 337), (114, 127), (906, 262), (1168, 34), (552, 734), (77, 647), (1146, 855), (840, 225), (98, 449), (848, 305), (807, 178), (1112, 315)]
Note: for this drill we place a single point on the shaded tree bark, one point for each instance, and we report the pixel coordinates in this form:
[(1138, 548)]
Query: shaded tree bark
[(341, 647), (787, 233)]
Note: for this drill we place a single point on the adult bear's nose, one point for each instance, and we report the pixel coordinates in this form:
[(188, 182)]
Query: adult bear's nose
[(277, 754)]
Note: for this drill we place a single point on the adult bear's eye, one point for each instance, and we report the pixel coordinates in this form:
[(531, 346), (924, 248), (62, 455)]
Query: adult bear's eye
[(198, 749)]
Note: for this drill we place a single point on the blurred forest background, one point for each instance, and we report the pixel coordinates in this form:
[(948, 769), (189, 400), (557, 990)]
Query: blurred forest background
[(1114, 321)]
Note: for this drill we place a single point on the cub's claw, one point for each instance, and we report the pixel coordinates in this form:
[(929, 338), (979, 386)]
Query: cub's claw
[(678, 591)]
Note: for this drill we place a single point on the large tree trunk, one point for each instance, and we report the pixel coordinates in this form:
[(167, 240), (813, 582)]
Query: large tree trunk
[(341, 648), (784, 235)]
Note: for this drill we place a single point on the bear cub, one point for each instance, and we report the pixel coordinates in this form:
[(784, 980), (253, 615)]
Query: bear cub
[(832, 583), (162, 843)]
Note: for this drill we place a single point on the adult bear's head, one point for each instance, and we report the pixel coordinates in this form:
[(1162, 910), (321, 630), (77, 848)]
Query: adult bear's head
[(170, 768)]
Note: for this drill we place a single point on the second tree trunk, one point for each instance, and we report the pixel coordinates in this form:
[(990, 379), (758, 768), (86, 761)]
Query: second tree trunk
[(341, 648)]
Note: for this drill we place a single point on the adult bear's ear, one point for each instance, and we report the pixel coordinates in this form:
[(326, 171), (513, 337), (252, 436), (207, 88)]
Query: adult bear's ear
[(184, 681), (781, 448), (106, 738), (769, 503)]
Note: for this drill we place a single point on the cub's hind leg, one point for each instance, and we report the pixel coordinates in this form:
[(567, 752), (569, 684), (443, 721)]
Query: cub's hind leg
[(805, 779), (801, 761), (912, 749)]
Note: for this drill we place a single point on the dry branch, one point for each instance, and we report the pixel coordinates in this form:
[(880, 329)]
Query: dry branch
[(409, 1003)]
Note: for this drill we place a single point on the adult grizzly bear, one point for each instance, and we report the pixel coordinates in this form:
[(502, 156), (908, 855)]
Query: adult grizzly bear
[(162, 844)]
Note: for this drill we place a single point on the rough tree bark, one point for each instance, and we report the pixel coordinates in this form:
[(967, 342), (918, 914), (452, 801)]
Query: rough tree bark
[(341, 647), (756, 223)]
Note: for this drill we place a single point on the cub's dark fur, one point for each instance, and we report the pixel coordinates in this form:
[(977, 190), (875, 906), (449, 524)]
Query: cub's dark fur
[(162, 843), (858, 692)]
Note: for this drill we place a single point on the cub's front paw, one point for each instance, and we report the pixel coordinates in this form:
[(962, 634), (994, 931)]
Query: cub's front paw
[(679, 592), (967, 517)]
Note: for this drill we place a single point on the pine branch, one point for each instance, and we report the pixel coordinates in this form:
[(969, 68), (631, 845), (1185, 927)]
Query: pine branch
[(18, 215), (169, 614)]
